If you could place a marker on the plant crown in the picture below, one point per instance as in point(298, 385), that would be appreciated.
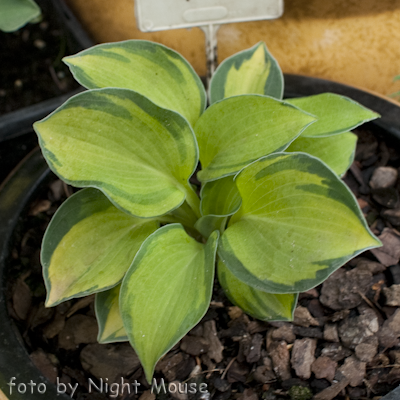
point(272, 214)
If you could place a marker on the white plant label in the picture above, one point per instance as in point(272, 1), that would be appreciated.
point(156, 15)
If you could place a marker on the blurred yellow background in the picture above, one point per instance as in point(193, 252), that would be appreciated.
point(351, 41)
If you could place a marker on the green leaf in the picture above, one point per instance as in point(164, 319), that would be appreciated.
point(138, 154)
point(207, 224)
point(89, 245)
point(220, 197)
point(183, 215)
point(261, 305)
point(14, 14)
point(238, 130)
point(336, 151)
point(297, 224)
point(151, 69)
point(111, 327)
point(336, 114)
point(252, 71)
point(166, 291)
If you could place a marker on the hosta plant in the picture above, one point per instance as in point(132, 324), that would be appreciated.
point(270, 218)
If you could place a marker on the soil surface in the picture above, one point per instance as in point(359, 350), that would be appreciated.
point(31, 69)
point(343, 343)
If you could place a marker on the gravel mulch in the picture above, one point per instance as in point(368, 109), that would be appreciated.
point(343, 343)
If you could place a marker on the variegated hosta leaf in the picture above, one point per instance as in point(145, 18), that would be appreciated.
point(166, 291)
point(336, 151)
point(207, 224)
point(336, 114)
point(252, 71)
point(89, 245)
point(151, 69)
point(238, 130)
point(297, 224)
point(220, 197)
point(261, 305)
point(111, 328)
point(14, 14)
point(183, 215)
point(140, 155)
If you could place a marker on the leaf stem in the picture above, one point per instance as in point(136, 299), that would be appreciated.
point(193, 200)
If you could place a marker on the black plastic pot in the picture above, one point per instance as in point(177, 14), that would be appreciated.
point(16, 138)
point(27, 180)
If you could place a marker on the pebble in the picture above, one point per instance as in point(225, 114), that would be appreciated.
point(170, 364)
point(284, 333)
point(302, 317)
point(354, 370)
point(389, 253)
point(18, 83)
point(279, 354)
point(237, 372)
point(109, 360)
point(335, 351)
point(263, 374)
point(393, 216)
point(388, 197)
point(194, 346)
point(316, 309)
point(221, 384)
point(39, 44)
point(78, 329)
point(371, 266)
point(310, 332)
point(383, 177)
point(324, 368)
point(367, 350)
point(390, 331)
point(392, 295)
point(331, 333)
point(254, 352)
point(216, 347)
point(354, 331)
point(303, 356)
point(332, 391)
point(343, 289)
point(395, 272)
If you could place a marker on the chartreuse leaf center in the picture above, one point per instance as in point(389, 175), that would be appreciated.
point(219, 199)
point(151, 69)
point(298, 223)
point(140, 155)
point(337, 151)
point(166, 291)
point(89, 245)
point(238, 130)
point(336, 114)
point(252, 71)
point(111, 327)
point(257, 303)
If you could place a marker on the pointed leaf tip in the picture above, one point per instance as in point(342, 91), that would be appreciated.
point(298, 223)
point(176, 276)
